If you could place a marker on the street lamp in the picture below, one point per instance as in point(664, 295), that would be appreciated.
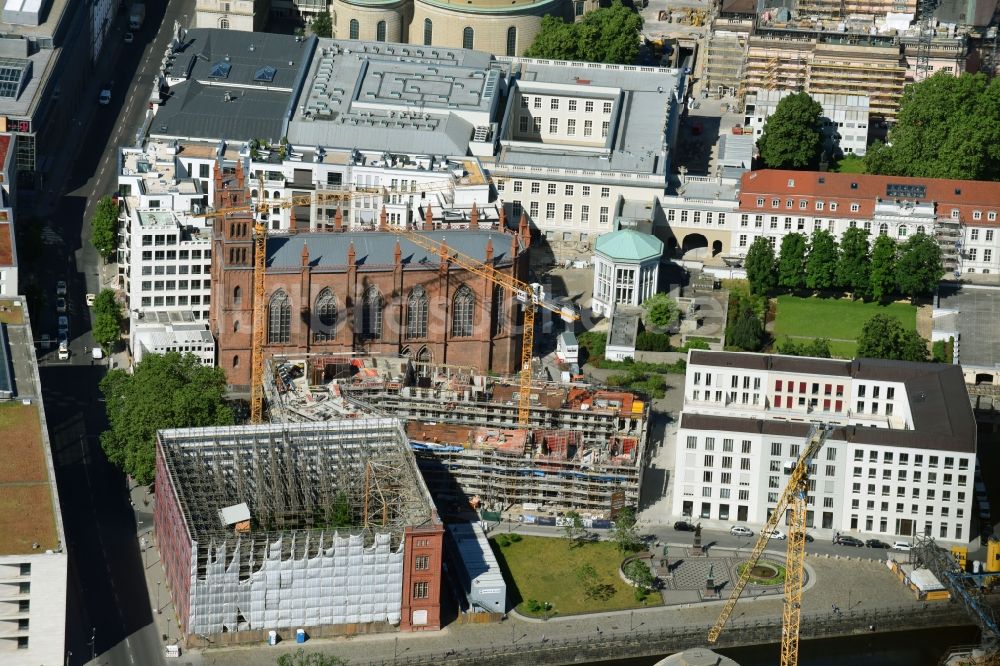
point(69, 653)
point(93, 643)
point(157, 597)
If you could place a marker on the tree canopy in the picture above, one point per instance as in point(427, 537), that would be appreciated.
point(883, 336)
point(854, 265)
point(792, 137)
point(759, 265)
point(608, 35)
point(946, 128)
point(661, 311)
point(821, 263)
point(104, 227)
point(792, 262)
point(883, 268)
point(747, 331)
point(107, 319)
point(626, 536)
point(818, 347)
point(322, 25)
point(163, 391)
point(919, 268)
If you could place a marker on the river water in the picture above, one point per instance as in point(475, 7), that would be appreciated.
point(905, 648)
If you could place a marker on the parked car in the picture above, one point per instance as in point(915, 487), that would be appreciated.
point(60, 304)
point(46, 341)
point(90, 300)
point(875, 543)
point(105, 97)
point(684, 526)
point(63, 340)
point(61, 288)
point(63, 325)
point(129, 37)
point(844, 540)
point(63, 353)
point(740, 530)
point(903, 546)
point(778, 534)
point(809, 538)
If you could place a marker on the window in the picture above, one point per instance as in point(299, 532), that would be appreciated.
point(588, 127)
point(584, 213)
point(607, 107)
point(571, 127)
point(692, 442)
point(569, 190)
point(380, 31)
point(429, 38)
point(605, 128)
point(855, 207)
point(588, 107)
point(355, 29)
point(535, 187)
point(422, 562)
point(553, 125)
point(371, 313)
point(462, 310)
point(416, 313)
point(537, 103)
point(326, 313)
point(551, 189)
point(279, 318)
point(468, 38)
point(554, 104)
point(523, 123)
point(511, 41)
point(550, 211)
point(604, 214)
point(567, 212)
point(420, 590)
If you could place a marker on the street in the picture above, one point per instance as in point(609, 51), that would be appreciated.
point(109, 612)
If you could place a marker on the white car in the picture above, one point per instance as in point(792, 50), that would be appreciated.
point(739, 530)
point(60, 304)
point(90, 300)
point(778, 534)
point(105, 97)
point(903, 546)
point(61, 288)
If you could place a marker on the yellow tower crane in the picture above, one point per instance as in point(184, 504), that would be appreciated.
point(794, 500)
point(521, 291)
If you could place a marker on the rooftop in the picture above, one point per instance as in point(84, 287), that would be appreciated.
point(376, 248)
point(629, 246)
point(624, 327)
point(215, 468)
point(29, 513)
point(7, 255)
point(936, 392)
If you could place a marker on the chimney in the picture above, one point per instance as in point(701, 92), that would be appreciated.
point(474, 217)
point(523, 229)
point(428, 217)
point(383, 219)
point(338, 220)
point(305, 255)
point(489, 252)
point(398, 253)
point(350, 254)
point(503, 216)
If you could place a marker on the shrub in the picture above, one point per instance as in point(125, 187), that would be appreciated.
point(655, 342)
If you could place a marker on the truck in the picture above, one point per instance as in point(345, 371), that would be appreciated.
point(136, 15)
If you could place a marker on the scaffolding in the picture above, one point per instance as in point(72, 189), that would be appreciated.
point(328, 504)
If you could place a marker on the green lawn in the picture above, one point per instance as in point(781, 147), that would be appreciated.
point(849, 164)
point(544, 569)
point(839, 320)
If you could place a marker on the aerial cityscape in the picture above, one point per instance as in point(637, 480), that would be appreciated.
point(384, 332)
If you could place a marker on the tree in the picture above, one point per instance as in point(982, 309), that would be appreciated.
point(883, 272)
point(759, 265)
point(322, 25)
point(107, 319)
point(639, 573)
point(608, 35)
point(919, 267)
point(792, 262)
point(661, 311)
point(302, 658)
point(591, 583)
point(163, 391)
point(821, 263)
point(747, 331)
point(945, 129)
point(626, 535)
point(854, 266)
point(575, 531)
point(104, 227)
point(792, 137)
point(817, 348)
point(883, 336)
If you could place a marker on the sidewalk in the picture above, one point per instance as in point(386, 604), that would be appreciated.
point(164, 615)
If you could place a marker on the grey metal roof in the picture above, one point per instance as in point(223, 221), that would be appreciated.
point(376, 248)
point(6, 359)
point(239, 85)
point(624, 327)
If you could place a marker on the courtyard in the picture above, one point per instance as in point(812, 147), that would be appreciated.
point(837, 319)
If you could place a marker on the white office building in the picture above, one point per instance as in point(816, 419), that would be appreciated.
point(158, 332)
point(166, 262)
point(844, 117)
point(898, 462)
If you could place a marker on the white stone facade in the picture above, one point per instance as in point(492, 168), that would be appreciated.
point(156, 332)
point(844, 117)
point(887, 469)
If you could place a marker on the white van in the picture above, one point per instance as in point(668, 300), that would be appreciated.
point(63, 350)
point(97, 353)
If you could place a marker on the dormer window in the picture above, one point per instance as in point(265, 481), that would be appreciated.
point(791, 182)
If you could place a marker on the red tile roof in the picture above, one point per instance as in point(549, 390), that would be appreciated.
point(849, 188)
point(4, 147)
point(6, 245)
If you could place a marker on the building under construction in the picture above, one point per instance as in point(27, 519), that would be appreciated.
point(326, 527)
point(583, 444)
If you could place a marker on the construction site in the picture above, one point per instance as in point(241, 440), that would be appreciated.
point(581, 448)
point(326, 527)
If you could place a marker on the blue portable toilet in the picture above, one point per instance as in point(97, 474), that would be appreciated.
point(300, 635)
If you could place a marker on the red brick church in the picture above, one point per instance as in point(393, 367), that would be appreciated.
point(373, 291)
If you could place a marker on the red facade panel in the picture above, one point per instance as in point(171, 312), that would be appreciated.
point(422, 559)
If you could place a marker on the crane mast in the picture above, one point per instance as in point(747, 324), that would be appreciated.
point(794, 500)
